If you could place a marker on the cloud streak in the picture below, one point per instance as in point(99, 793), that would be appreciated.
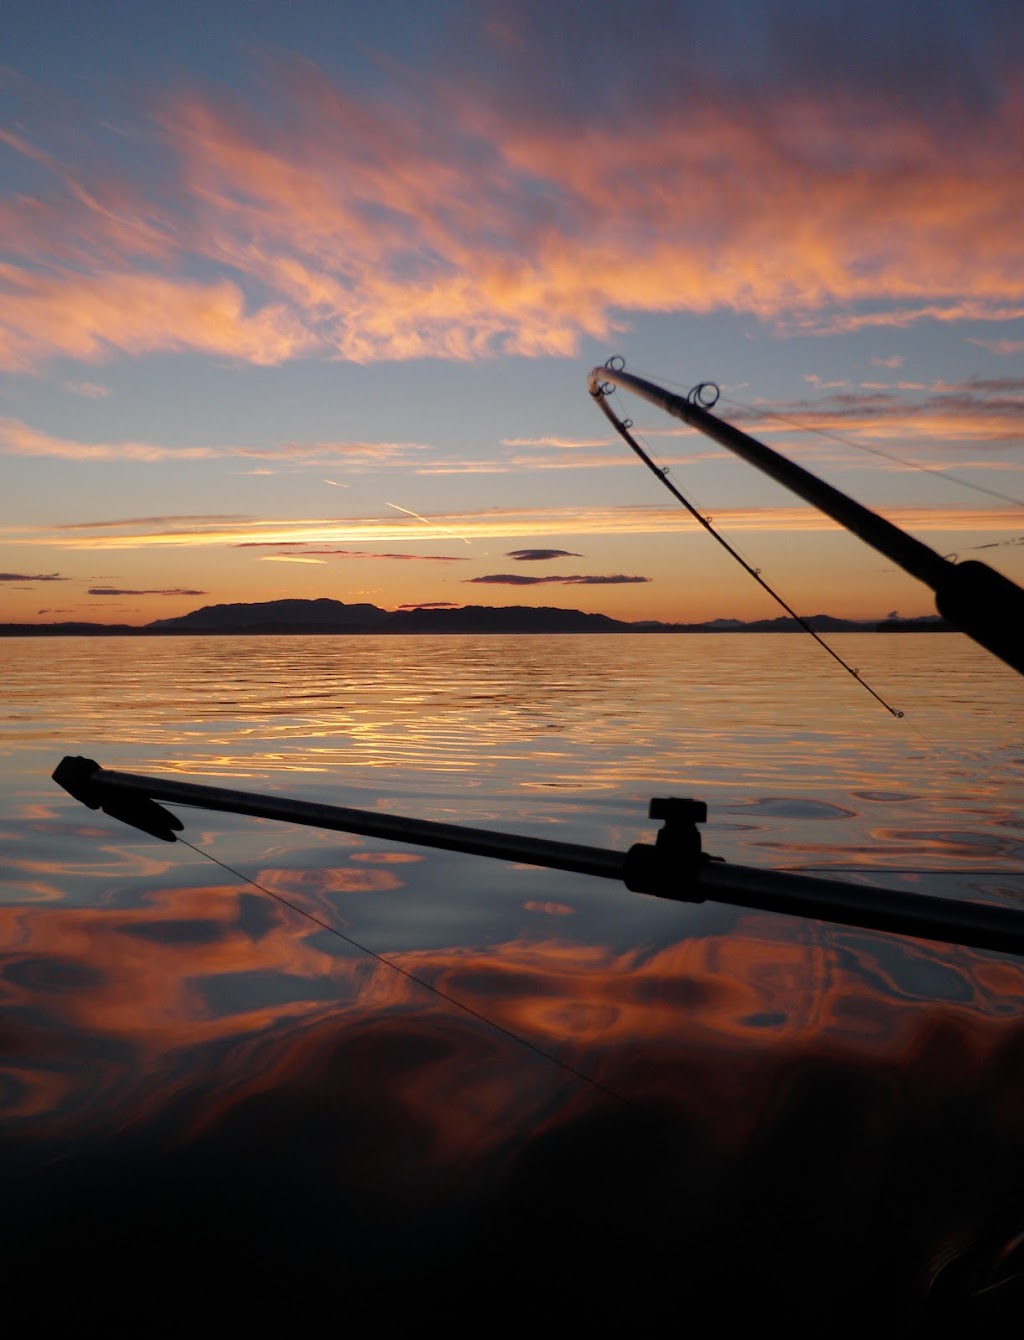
point(32, 577)
point(497, 523)
point(20, 439)
point(948, 419)
point(404, 558)
point(540, 555)
point(352, 553)
point(160, 591)
point(520, 579)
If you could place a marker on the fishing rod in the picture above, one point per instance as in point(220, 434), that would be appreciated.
point(973, 597)
point(674, 866)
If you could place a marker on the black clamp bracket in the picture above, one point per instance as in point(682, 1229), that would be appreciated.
point(670, 868)
point(76, 776)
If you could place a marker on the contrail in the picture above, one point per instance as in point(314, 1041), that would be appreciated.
point(409, 512)
point(334, 483)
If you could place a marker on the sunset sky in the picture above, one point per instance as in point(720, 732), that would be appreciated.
point(300, 299)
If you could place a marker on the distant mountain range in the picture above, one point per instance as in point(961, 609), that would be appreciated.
point(334, 616)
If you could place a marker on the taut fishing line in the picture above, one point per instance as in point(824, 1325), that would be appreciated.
point(412, 977)
point(705, 394)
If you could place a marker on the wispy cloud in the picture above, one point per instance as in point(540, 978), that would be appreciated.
point(353, 553)
point(430, 605)
point(975, 309)
point(32, 577)
point(1004, 348)
point(540, 555)
point(521, 208)
point(289, 558)
point(984, 410)
point(562, 443)
point(20, 439)
point(405, 558)
point(519, 579)
point(91, 390)
point(497, 523)
point(616, 457)
point(159, 591)
point(194, 520)
point(1015, 542)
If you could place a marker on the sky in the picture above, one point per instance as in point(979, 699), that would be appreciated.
point(299, 300)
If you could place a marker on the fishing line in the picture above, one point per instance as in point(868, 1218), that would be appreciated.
point(412, 977)
point(623, 426)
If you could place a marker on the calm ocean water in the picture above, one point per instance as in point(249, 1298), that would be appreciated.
point(800, 1087)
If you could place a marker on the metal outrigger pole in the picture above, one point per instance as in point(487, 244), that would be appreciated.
point(976, 599)
point(673, 867)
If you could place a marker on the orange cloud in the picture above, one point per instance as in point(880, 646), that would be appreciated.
point(435, 220)
point(426, 231)
point(83, 316)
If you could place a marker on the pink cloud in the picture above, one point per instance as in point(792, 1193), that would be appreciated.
point(20, 439)
point(567, 443)
point(1004, 348)
point(435, 219)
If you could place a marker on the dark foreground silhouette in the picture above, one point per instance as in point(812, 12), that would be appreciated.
point(393, 1169)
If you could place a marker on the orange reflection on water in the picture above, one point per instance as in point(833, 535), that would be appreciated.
point(319, 880)
point(385, 857)
point(134, 972)
point(152, 976)
point(23, 883)
point(806, 1098)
